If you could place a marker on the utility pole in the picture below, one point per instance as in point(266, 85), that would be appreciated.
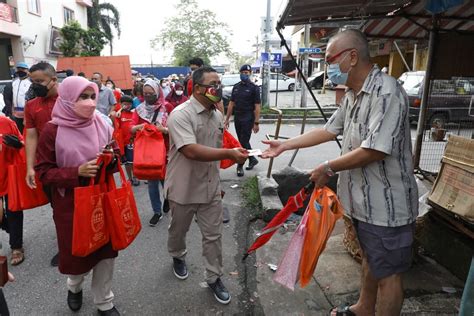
point(304, 96)
point(257, 44)
point(266, 65)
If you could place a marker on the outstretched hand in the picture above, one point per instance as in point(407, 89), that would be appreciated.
point(275, 149)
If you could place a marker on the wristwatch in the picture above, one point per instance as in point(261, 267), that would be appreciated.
point(329, 172)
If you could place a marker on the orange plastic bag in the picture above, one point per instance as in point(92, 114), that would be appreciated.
point(324, 209)
point(122, 214)
point(149, 156)
point(229, 142)
point(20, 196)
point(89, 230)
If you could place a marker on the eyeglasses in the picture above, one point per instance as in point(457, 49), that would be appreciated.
point(333, 58)
point(216, 86)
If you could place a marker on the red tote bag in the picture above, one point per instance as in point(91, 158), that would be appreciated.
point(149, 156)
point(20, 196)
point(89, 231)
point(229, 142)
point(122, 214)
point(118, 137)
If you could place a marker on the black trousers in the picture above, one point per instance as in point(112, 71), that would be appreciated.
point(19, 123)
point(3, 305)
point(243, 127)
point(14, 226)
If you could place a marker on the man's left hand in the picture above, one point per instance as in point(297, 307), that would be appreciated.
point(256, 128)
point(319, 176)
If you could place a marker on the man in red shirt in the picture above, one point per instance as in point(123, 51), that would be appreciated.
point(37, 114)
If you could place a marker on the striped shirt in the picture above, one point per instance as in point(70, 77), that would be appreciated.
point(382, 193)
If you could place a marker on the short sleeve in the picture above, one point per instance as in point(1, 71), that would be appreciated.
point(385, 121)
point(181, 130)
point(112, 99)
point(232, 95)
point(29, 118)
point(257, 95)
point(335, 124)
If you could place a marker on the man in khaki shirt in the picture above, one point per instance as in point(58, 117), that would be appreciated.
point(192, 183)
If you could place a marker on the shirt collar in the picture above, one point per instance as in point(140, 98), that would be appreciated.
point(197, 105)
point(369, 81)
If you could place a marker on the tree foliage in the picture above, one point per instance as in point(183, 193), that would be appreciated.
point(104, 17)
point(79, 42)
point(193, 33)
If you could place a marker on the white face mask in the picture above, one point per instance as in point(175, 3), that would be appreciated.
point(110, 86)
point(179, 92)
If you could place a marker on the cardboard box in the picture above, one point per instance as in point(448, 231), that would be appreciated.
point(453, 189)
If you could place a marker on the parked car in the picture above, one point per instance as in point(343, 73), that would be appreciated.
point(285, 83)
point(228, 82)
point(449, 100)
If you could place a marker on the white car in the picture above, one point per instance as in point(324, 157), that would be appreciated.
point(285, 83)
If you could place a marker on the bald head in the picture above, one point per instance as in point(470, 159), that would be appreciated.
point(352, 38)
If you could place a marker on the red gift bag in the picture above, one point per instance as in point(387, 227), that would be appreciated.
point(122, 214)
point(149, 156)
point(89, 230)
point(20, 196)
point(118, 137)
point(229, 142)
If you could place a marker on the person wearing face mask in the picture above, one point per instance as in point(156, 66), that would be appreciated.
point(106, 99)
point(154, 110)
point(194, 64)
point(176, 96)
point(63, 166)
point(20, 86)
point(165, 87)
point(37, 114)
point(376, 185)
point(117, 92)
point(245, 104)
point(192, 182)
point(137, 93)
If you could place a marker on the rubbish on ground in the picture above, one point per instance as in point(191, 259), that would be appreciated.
point(272, 266)
point(234, 273)
point(448, 289)
point(234, 186)
point(203, 285)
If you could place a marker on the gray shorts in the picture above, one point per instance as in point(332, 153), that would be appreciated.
point(388, 249)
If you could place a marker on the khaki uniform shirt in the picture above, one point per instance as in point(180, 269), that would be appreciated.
point(382, 193)
point(190, 181)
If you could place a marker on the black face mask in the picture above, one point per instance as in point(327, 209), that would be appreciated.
point(39, 89)
point(151, 99)
point(21, 74)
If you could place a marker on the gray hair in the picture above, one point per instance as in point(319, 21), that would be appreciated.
point(357, 39)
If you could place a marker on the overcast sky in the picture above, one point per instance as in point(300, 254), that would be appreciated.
point(142, 20)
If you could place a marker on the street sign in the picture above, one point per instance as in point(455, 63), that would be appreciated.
point(310, 50)
point(275, 59)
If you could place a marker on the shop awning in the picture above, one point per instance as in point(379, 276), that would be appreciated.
point(397, 19)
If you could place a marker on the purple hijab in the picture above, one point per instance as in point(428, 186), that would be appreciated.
point(78, 140)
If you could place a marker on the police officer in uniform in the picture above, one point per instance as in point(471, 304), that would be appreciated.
point(245, 103)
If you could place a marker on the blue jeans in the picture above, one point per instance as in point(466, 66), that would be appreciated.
point(154, 194)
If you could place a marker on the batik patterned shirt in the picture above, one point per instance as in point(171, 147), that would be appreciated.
point(382, 193)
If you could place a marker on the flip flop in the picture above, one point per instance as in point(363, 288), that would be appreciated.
point(343, 310)
point(18, 256)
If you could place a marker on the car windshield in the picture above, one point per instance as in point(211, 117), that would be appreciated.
point(230, 81)
point(411, 82)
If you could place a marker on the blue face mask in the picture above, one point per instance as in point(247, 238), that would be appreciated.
point(244, 77)
point(336, 75)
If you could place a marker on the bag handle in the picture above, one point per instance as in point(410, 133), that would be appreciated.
point(155, 115)
point(111, 180)
point(102, 163)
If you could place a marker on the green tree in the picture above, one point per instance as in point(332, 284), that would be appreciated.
point(193, 33)
point(238, 60)
point(78, 42)
point(104, 17)
point(71, 44)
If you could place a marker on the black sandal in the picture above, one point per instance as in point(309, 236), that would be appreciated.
point(343, 310)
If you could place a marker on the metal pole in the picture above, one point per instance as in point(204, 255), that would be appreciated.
point(304, 96)
point(277, 133)
point(276, 95)
point(303, 125)
point(414, 57)
point(296, 75)
point(266, 66)
point(401, 55)
point(424, 100)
